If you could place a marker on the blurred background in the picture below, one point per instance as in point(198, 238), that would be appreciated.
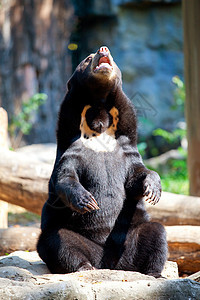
point(41, 43)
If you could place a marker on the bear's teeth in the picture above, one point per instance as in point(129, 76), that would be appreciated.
point(103, 65)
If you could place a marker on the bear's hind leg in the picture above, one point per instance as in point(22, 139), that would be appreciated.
point(145, 250)
point(65, 251)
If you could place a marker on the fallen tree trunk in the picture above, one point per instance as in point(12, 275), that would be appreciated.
point(174, 209)
point(184, 247)
point(23, 182)
point(18, 238)
point(183, 242)
point(3, 145)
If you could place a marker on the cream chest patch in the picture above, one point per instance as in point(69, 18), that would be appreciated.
point(99, 142)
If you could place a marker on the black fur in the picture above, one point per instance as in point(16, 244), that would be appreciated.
point(95, 215)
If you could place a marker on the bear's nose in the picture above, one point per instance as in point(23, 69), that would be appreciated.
point(103, 50)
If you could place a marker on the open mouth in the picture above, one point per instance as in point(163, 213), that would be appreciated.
point(103, 64)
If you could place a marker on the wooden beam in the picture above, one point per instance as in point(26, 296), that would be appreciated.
point(191, 22)
point(184, 247)
point(3, 145)
point(175, 209)
point(18, 238)
point(23, 181)
point(183, 242)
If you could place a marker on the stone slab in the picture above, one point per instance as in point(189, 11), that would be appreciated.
point(24, 276)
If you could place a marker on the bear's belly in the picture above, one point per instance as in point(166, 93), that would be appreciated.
point(103, 174)
point(96, 225)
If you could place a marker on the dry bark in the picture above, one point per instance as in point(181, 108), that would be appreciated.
point(34, 58)
point(184, 247)
point(23, 182)
point(191, 22)
point(176, 209)
point(3, 145)
point(183, 241)
point(18, 238)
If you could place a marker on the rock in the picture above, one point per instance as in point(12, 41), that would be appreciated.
point(24, 276)
point(29, 261)
point(170, 270)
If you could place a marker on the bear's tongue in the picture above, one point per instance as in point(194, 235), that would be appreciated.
point(104, 59)
point(103, 63)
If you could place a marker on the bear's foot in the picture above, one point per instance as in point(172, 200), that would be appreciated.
point(85, 267)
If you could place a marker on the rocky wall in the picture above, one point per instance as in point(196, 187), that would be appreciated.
point(147, 44)
point(145, 39)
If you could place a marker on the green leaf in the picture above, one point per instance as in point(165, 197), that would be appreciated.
point(21, 123)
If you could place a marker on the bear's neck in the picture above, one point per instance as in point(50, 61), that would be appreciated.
point(102, 95)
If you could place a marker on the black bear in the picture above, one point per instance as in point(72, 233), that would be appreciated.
point(95, 215)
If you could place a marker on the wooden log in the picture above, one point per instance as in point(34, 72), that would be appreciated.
point(23, 182)
point(183, 242)
point(3, 145)
point(18, 238)
point(184, 247)
point(3, 129)
point(176, 209)
point(195, 276)
point(3, 214)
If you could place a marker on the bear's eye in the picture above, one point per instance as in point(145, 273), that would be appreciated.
point(88, 58)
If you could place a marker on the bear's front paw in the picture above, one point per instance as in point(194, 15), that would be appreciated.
point(152, 188)
point(84, 202)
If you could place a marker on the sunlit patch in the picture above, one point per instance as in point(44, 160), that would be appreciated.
point(104, 142)
point(72, 46)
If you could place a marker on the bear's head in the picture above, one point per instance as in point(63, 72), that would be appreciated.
point(97, 71)
point(95, 104)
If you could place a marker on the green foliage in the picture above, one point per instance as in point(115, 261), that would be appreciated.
point(22, 120)
point(174, 175)
point(22, 123)
point(176, 180)
point(170, 137)
point(179, 99)
point(179, 93)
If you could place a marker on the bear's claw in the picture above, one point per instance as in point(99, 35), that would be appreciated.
point(152, 188)
point(151, 196)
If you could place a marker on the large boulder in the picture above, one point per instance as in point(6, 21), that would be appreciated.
point(24, 276)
